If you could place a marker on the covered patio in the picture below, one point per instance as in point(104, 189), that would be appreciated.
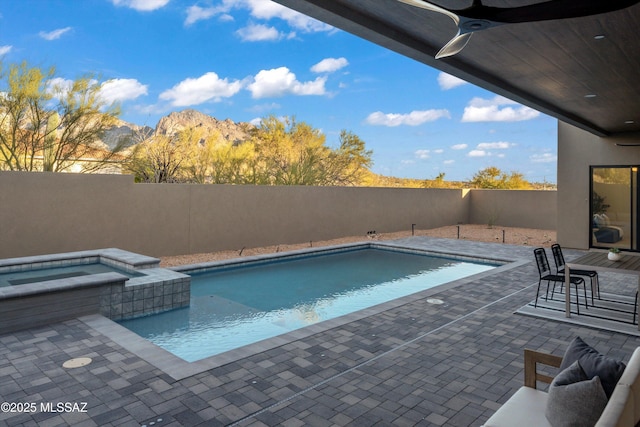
point(419, 363)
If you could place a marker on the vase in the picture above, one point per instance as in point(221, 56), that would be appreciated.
point(614, 256)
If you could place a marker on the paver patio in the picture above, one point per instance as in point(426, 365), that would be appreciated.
point(450, 364)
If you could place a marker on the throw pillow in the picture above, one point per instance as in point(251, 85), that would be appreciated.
point(594, 364)
point(574, 400)
point(598, 220)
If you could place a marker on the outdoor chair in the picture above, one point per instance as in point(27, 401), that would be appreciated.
point(560, 265)
point(544, 271)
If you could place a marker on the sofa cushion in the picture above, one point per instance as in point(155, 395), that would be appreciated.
point(574, 399)
point(594, 364)
point(623, 409)
point(525, 408)
point(620, 410)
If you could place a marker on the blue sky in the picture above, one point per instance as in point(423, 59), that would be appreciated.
point(246, 59)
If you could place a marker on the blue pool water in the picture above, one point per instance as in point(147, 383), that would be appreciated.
point(238, 306)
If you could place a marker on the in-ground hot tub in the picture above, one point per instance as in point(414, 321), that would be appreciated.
point(118, 284)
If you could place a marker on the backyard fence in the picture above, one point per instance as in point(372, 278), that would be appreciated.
point(44, 213)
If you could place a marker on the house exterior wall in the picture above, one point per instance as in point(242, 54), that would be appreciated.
point(42, 213)
point(577, 151)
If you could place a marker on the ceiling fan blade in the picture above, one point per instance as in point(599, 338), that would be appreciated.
point(454, 46)
point(433, 8)
point(479, 17)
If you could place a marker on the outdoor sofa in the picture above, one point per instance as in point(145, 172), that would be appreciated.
point(580, 403)
point(604, 231)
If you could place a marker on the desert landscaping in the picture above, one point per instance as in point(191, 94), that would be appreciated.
point(476, 232)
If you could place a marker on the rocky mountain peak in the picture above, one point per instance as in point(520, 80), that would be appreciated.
point(186, 119)
point(176, 122)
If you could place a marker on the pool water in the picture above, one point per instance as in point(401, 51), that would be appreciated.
point(54, 273)
point(237, 306)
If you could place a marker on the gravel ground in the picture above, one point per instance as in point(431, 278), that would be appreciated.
point(482, 233)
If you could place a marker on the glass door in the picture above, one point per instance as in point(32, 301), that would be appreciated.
point(614, 207)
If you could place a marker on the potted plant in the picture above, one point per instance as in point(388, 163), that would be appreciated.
point(614, 254)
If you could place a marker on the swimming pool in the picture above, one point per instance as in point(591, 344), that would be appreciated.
point(238, 305)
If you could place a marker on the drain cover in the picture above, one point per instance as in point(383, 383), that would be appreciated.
point(435, 301)
point(76, 363)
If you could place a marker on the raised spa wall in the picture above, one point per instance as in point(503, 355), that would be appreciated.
point(113, 295)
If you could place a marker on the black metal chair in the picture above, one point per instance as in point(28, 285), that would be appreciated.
point(544, 271)
point(560, 265)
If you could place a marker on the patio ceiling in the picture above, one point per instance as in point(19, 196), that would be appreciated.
point(552, 66)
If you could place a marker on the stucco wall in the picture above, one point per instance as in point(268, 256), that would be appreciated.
point(514, 208)
point(577, 151)
point(43, 213)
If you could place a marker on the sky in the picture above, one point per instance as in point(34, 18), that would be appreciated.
point(248, 59)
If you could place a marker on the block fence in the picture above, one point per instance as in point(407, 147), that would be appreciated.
point(42, 213)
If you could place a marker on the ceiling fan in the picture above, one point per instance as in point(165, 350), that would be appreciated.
point(479, 17)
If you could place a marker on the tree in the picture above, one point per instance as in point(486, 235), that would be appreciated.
point(278, 153)
point(350, 161)
point(293, 153)
point(158, 159)
point(233, 163)
point(437, 182)
point(492, 177)
point(46, 125)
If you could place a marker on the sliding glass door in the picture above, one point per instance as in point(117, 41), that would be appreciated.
point(614, 207)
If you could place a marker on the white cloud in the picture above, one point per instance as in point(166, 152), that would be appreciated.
point(330, 65)
point(122, 90)
point(422, 154)
point(413, 118)
point(477, 153)
point(543, 158)
point(447, 81)
point(196, 13)
point(5, 49)
point(438, 151)
point(497, 109)
point(55, 34)
point(208, 87)
point(58, 85)
point(267, 9)
point(281, 81)
point(459, 146)
point(494, 145)
point(141, 5)
point(449, 162)
point(258, 32)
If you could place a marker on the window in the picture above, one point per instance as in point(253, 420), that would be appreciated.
point(614, 207)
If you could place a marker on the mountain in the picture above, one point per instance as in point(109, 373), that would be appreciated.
point(186, 119)
point(124, 130)
point(176, 122)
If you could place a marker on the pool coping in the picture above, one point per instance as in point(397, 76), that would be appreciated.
point(111, 256)
point(178, 368)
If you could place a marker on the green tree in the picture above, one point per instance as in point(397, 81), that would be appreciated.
point(158, 159)
point(46, 125)
point(233, 163)
point(492, 177)
point(294, 153)
point(437, 182)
